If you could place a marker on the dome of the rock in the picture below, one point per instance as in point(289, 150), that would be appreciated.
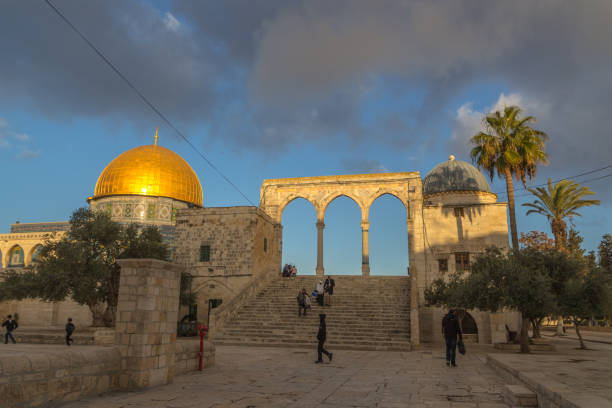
point(150, 170)
point(455, 176)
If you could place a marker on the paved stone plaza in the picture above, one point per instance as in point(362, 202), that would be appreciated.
point(271, 377)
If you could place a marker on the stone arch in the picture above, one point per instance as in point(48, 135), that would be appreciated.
point(325, 202)
point(16, 257)
point(394, 243)
point(381, 192)
point(34, 252)
point(289, 199)
point(469, 327)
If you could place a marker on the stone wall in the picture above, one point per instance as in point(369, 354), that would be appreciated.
point(44, 375)
point(461, 224)
point(244, 245)
point(37, 378)
point(186, 355)
point(146, 321)
point(38, 313)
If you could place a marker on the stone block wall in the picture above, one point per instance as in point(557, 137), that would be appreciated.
point(187, 352)
point(38, 378)
point(245, 244)
point(146, 321)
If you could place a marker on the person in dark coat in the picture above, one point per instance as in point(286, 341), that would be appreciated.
point(322, 336)
point(10, 325)
point(450, 330)
point(303, 302)
point(69, 330)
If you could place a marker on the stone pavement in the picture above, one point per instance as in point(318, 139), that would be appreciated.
point(581, 377)
point(272, 377)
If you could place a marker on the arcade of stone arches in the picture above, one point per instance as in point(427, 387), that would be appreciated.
point(363, 189)
point(20, 252)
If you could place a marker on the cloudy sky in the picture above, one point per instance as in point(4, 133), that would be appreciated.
point(270, 89)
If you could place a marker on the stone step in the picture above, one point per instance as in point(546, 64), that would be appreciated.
point(386, 346)
point(367, 314)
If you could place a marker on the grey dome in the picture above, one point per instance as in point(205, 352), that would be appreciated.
point(454, 175)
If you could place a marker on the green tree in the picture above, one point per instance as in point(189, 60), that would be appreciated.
point(604, 250)
point(557, 202)
point(585, 296)
point(82, 264)
point(509, 147)
point(527, 281)
point(574, 244)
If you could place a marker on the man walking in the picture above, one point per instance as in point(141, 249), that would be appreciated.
point(69, 330)
point(302, 299)
point(329, 289)
point(450, 330)
point(10, 325)
point(322, 336)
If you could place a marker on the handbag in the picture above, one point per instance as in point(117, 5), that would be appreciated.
point(461, 346)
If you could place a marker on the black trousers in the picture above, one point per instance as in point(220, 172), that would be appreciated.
point(68, 339)
point(321, 350)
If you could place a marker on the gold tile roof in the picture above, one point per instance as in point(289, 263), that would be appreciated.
point(150, 170)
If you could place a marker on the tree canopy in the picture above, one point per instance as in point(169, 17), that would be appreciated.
point(529, 281)
point(557, 202)
point(509, 147)
point(82, 264)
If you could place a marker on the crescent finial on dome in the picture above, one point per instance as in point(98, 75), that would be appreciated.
point(156, 129)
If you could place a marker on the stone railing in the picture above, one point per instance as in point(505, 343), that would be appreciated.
point(219, 315)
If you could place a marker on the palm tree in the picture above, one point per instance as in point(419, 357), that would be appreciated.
point(558, 202)
point(509, 147)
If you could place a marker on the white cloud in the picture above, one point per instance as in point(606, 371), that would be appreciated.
point(9, 137)
point(171, 22)
point(468, 122)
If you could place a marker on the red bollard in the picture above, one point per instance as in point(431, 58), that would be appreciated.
point(202, 329)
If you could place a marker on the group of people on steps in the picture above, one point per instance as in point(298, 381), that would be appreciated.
point(323, 293)
point(10, 325)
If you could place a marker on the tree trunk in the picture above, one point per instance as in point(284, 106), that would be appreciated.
point(558, 228)
point(535, 327)
point(577, 326)
point(525, 334)
point(97, 314)
point(560, 331)
point(510, 190)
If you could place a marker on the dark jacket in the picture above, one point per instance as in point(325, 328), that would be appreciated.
point(70, 328)
point(329, 284)
point(322, 334)
point(10, 325)
point(450, 326)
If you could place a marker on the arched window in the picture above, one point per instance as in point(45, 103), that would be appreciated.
point(36, 252)
point(15, 257)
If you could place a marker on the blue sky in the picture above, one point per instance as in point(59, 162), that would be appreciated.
point(301, 88)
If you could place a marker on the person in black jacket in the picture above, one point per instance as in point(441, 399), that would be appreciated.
point(322, 336)
point(450, 330)
point(10, 325)
point(69, 330)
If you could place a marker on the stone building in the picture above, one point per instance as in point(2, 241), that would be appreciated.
point(231, 252)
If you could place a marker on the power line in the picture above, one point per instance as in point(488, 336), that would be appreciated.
point(583, 181)
point(564, 178)
point(144, 98)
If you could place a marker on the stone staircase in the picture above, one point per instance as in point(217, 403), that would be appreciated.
point(367, 314)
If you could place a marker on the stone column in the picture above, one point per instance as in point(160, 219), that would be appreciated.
point(320, 227)
point(365, 249)
point(145, 330)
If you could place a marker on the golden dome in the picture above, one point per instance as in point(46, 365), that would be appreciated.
point(150, 170)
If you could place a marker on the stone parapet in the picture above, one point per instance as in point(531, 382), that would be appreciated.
point(30, 379)
point(145, 329)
